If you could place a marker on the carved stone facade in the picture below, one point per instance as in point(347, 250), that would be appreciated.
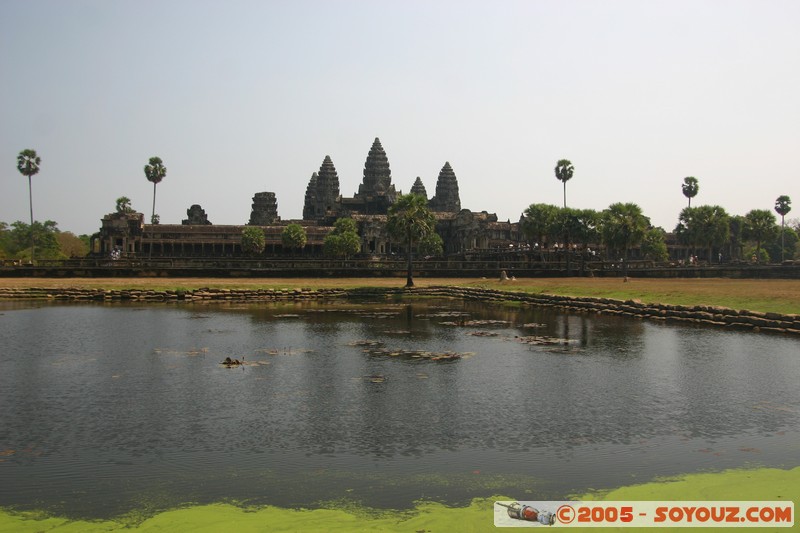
point(197, 217)
point(265, 209)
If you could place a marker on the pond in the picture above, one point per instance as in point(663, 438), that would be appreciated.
point(119, 408)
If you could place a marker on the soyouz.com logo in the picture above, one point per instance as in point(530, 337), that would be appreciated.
point(643, 514)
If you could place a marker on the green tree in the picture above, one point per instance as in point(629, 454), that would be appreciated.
point(4, 237)
point(294, 237)
point(736, 243)
point(253, 240)
point(44, 234)
point(786, 246)
point(124, 205)
point(782, 206)
point(431, 244)
point(537, 224)
point(705, 226)
point(155, 171)
point(690, 188)
point(564, 171)
point(28, 164)
point(654, 245)
point(410, 221)
point(759, 226)
point(343, 241)
point(624, 226)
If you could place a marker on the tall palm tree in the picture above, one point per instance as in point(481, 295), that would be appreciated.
point(410, 220)
point(782, 206)
point(564, 171)
point(690, 188)
point(28, 164)
point(155, 172)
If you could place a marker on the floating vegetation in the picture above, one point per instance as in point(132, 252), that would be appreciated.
point(474, 323)
point(544, 340)
point(417, 354)
point(191, 353)
point(533, 325)
point(397, 332)
point(284, 351)
point(287, 315)
point(483, 333)
point(230, 363)
point(442, 314)
point(365, 343)
point(372, 378)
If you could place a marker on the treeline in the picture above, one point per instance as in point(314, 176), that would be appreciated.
point(707, 232)
point(50, 242)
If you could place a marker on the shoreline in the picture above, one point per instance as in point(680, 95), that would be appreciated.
point(708, 315)
point(759, 484)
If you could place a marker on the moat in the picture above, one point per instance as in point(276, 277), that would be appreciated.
point(118, 408)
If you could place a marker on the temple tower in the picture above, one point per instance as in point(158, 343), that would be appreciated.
point(311, 198)
point(376, 193)
point(327, 188)
point(265, 209)
point(446, 198)
point(196, 217)
point(419, 188)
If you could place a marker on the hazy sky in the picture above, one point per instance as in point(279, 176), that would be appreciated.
point(239, 97)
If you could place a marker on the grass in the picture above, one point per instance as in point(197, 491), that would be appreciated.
point(777, 296)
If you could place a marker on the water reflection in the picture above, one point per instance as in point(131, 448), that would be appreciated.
point(96, 394)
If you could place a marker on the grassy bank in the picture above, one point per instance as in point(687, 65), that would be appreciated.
point(766, 484)
point(777, 296)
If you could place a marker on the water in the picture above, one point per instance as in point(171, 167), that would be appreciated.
point(111, 409)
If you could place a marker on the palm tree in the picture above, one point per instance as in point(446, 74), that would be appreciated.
point(782, 206)
point(624, 226)
point(760, 227)
point(28, 164)
point(410, 220)
point(155, 171)
point(690, 188)
point(564, 171)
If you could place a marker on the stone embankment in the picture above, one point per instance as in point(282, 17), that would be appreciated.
point(700, 314)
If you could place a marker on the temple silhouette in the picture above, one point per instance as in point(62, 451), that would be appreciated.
point(461, 230)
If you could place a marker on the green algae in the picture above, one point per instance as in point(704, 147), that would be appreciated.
point(765, 484)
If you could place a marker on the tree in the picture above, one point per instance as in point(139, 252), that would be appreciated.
point(71, 245)
point(343, 241)
point(782, 206)
point(759, 226)
point(21, 235)
point(155, 171)
point(705, 226)
point(410, 221)
point(124, 205)
point(654, 245)
point(253, 240)
point(624, 226)
point(28, 164)
point(690, 188)
point(431, 245)
point(294, 237)
point(564, 171)
point(785, 247)
point(537, 224)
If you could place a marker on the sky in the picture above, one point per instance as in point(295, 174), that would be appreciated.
point(239, 97)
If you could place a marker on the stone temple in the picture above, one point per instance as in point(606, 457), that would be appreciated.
point(462, 230)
